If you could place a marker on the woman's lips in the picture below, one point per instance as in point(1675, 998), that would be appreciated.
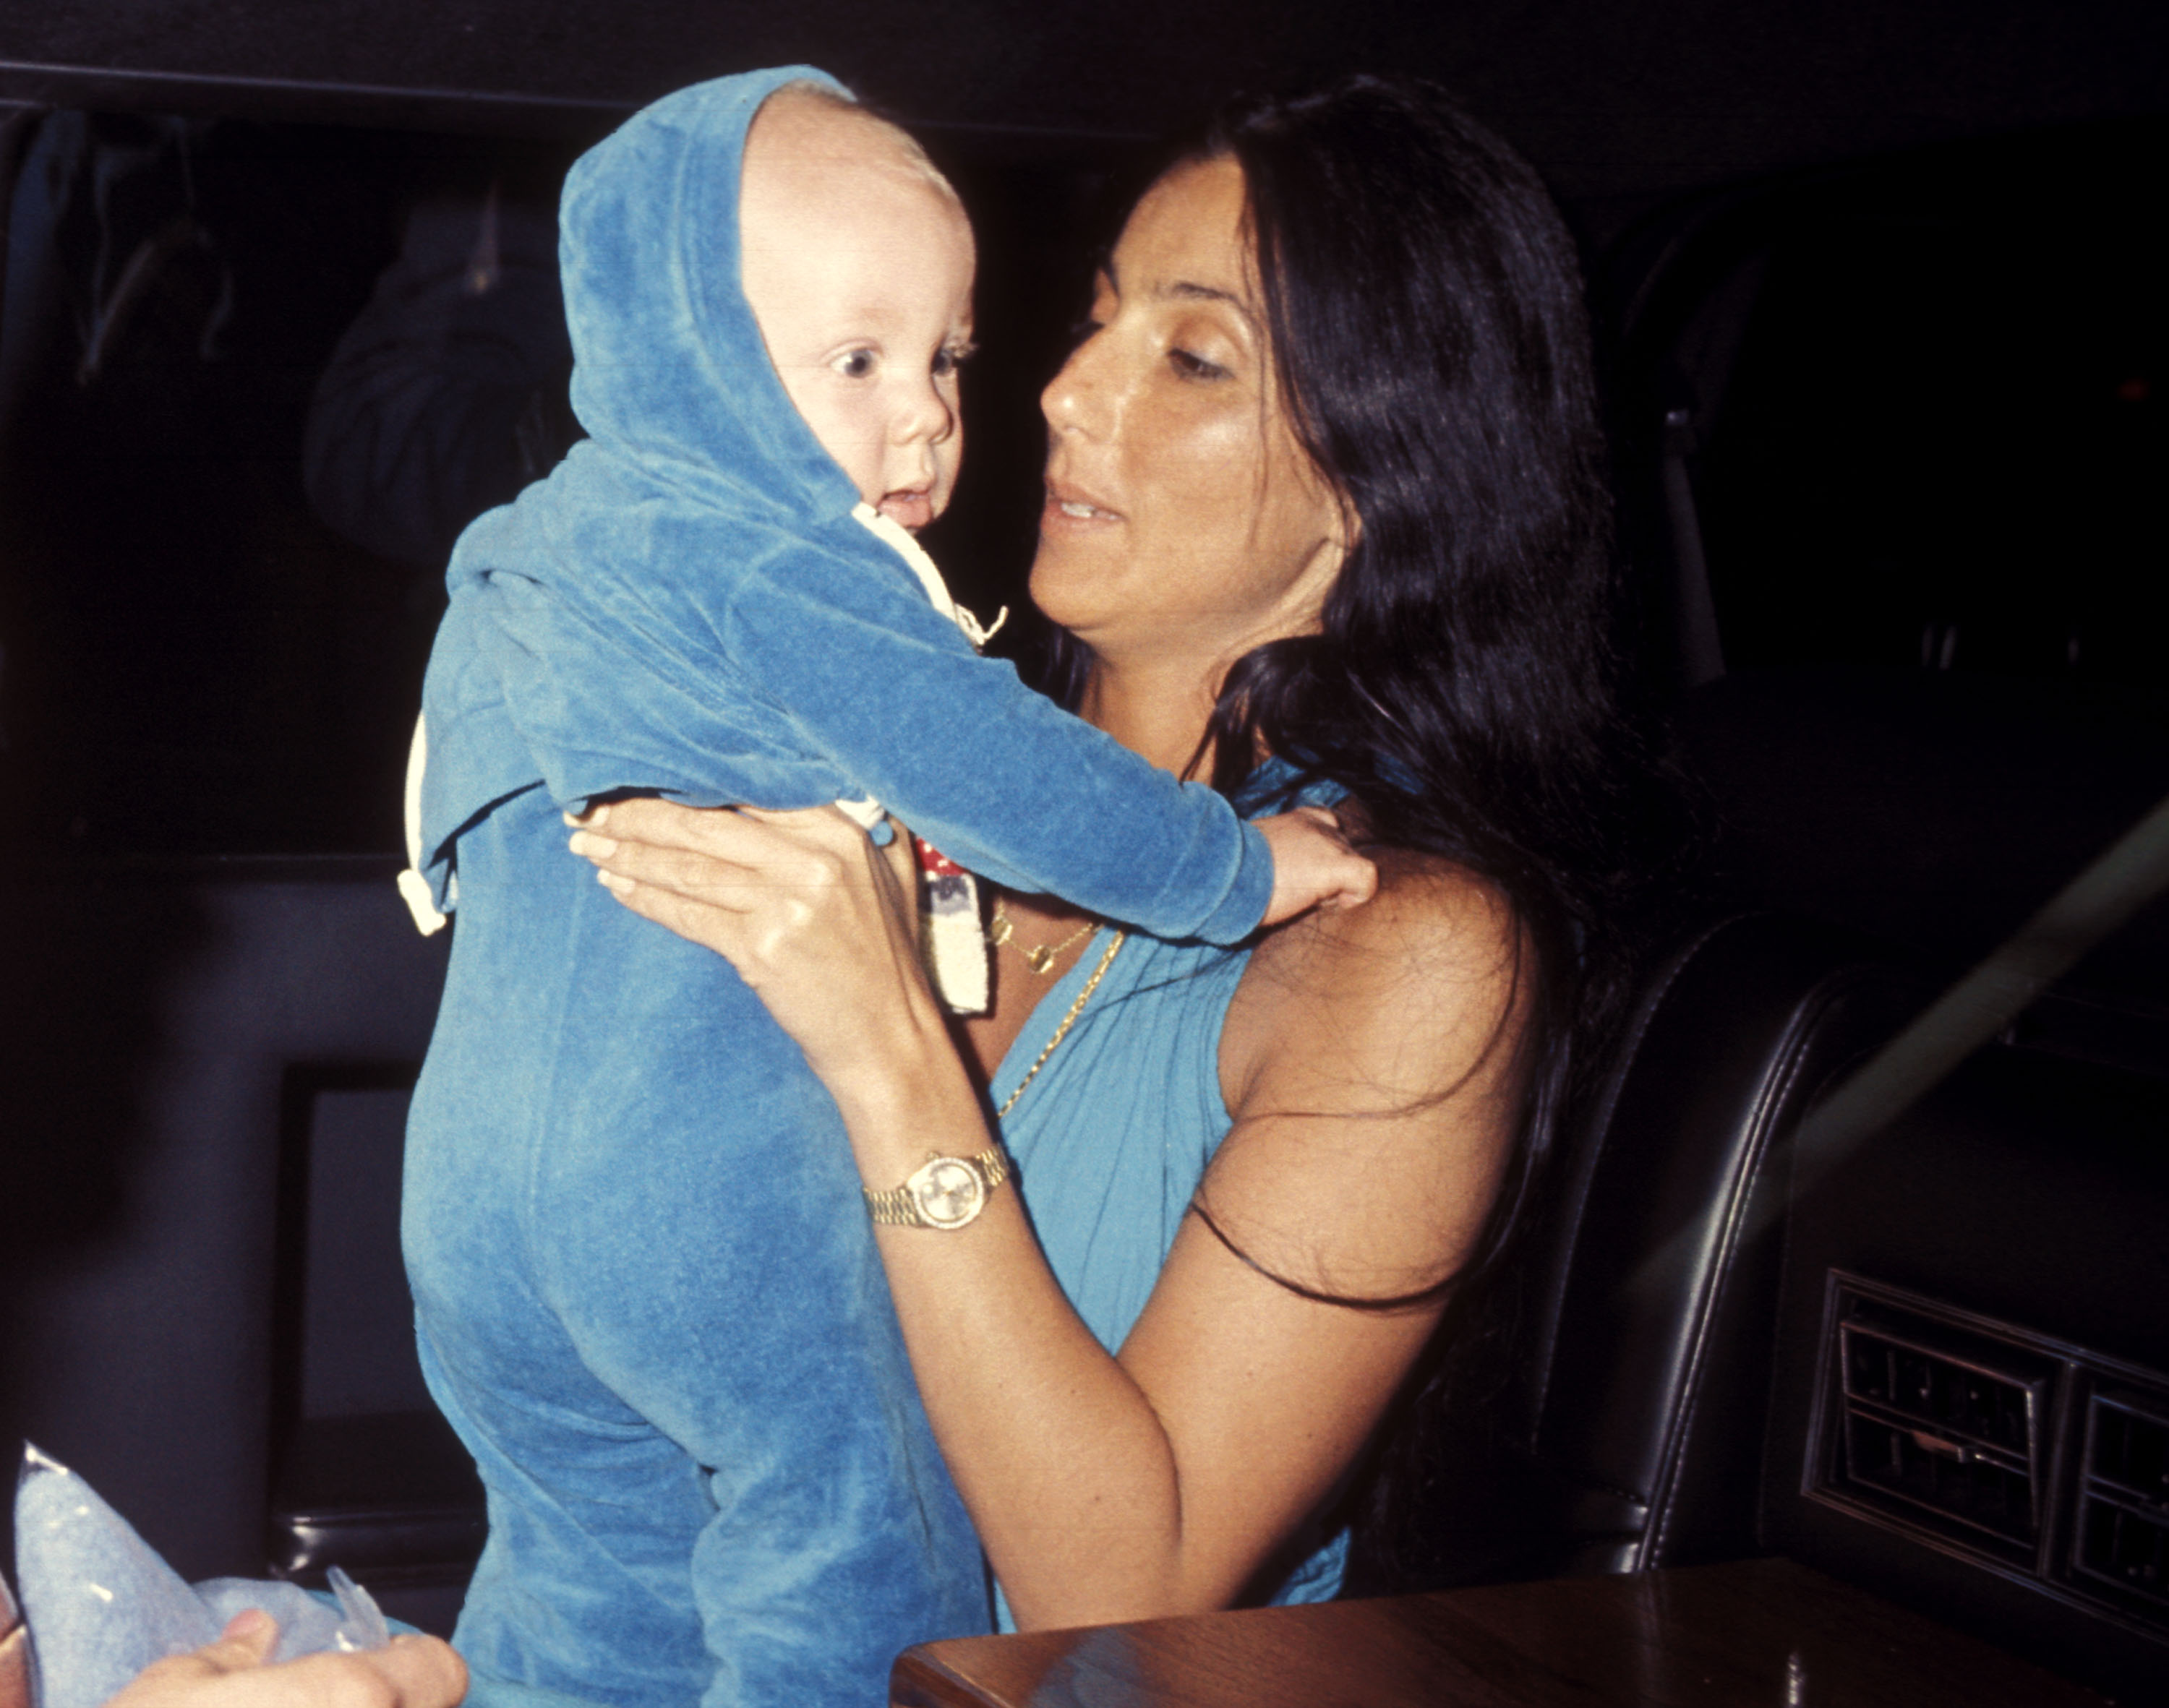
point(1067, 509)
point(910, 510)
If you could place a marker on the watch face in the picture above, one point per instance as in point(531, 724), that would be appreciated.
point(948, 1191)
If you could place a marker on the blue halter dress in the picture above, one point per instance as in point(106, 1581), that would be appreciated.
point(1116, 1131)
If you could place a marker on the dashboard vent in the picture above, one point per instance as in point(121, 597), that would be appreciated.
point(2122, 1535)
point(1950, 1427)
point(2041, 1462)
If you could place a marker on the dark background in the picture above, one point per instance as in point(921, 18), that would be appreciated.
point(1607, 99)
point(194, 663)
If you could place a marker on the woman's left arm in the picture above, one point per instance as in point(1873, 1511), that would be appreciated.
point(1370, 1061)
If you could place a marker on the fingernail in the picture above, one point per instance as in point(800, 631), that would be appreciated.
point(250, 1621)
point(612, 882)
point(597, 815)
point(595, 847)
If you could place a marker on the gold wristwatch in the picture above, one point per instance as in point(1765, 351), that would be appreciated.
point(944, 1192)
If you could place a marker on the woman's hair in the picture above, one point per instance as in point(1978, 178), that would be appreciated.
point(1432, 351)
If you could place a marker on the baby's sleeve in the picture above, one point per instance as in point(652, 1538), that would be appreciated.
point(998, 777)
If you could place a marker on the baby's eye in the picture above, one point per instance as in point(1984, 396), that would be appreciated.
point(856, 365)
point(952, 356)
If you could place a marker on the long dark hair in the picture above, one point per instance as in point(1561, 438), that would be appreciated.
point(1432, 350)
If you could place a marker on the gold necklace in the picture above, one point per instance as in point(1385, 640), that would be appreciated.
point(1040, 959)
point(1069, 1020)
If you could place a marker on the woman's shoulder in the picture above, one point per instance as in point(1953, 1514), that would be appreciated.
point(1372, 1064)
point(1430, 918)
point(1421, 981)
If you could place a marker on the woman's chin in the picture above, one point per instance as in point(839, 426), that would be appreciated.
point(1068, 585)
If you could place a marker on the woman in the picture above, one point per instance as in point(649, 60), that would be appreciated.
point(1324, 519)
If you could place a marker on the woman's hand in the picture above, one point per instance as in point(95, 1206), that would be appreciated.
point(816, 919)
point(414, 1671)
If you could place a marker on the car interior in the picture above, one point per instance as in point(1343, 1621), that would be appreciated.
point(1884, 363)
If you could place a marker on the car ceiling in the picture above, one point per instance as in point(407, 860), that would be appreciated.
point(1609, 99)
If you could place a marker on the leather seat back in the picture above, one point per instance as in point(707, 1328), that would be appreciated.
point(1615, 1421)
point(1656, 1291)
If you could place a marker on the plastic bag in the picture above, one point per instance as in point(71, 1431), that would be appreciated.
point(101, 1605)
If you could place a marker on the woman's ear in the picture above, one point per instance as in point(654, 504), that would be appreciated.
point(1307, 595)
point(1351, 524)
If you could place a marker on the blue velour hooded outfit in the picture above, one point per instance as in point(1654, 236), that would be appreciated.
point(646, 1291)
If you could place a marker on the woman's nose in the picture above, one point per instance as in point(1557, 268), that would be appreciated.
point(1075, 398)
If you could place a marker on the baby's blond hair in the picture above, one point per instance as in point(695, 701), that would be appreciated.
point(841, 105)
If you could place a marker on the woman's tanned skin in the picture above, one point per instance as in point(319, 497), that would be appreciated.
point(1368, 1059)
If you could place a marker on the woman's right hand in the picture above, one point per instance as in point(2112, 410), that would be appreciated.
point(816, 919)
point(414, 1671)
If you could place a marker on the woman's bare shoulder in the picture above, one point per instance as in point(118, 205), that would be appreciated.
point(1434, 928)
point(1371, 1062)
point(1408, 990)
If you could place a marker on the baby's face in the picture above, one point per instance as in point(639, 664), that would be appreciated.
point(857, 261)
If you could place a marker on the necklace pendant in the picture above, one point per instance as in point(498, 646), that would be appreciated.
point(998, 933)
point(1040, 959)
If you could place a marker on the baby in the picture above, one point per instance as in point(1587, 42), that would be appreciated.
point(646, 1293)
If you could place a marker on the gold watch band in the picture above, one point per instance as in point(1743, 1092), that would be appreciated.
point(944, 1192)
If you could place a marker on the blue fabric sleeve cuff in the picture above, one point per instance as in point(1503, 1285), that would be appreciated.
point(1242, 910)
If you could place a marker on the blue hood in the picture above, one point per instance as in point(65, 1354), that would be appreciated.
point(670, 368)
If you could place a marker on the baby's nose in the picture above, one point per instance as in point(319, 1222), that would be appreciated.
point(925, 415)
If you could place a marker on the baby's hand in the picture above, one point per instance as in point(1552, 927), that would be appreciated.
point(1313, 864)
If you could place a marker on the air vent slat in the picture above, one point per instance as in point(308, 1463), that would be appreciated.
point(1982, 1403)
point(1950, 1429)
point(2128, 1449)
point(2124, 1548)
point(2121, 1537)
point(1946, 1477)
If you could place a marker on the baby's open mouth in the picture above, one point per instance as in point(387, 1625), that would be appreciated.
point(910, 510)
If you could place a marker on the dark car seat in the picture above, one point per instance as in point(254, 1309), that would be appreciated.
point(1616, 1422)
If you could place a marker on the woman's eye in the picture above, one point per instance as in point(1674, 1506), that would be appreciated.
point(1081, 330)
point(1194, 367)
point(856, 365)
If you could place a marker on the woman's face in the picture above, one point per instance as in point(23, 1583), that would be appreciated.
point(1181, 515)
